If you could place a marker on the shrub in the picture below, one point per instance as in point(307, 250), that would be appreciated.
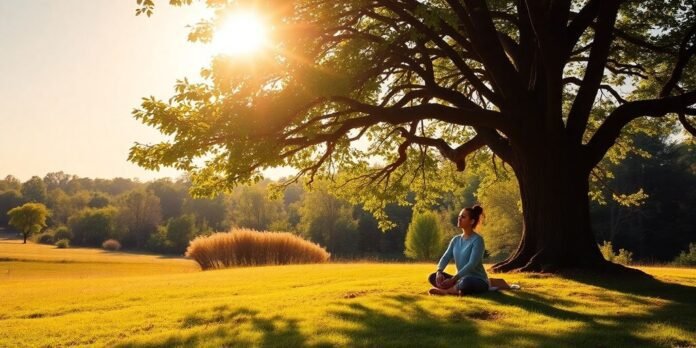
point(242, 247)
point(158, 243)
point(424, 237)
point(687, 258)
point(624, 256)
point(45, 238)
point(62, 232)
point(111, 245)
point(63, 243)
point(180, 231)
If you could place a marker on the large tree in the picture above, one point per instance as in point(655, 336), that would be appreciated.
point(429, 83)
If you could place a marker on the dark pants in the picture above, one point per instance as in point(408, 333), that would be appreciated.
point(466, 285)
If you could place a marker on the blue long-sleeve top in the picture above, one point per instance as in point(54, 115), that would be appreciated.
point(468, 256)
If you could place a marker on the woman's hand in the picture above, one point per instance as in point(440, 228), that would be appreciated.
point(447, 283)
point(439, 278)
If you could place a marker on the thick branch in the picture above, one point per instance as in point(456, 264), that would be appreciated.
point(609, 131)
point(684, 56)
point(580, 23)
point(580, 111)
point(477, 20)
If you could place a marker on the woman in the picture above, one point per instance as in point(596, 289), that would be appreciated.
point(467, 251)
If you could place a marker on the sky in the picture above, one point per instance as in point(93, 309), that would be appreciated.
point(73, 70)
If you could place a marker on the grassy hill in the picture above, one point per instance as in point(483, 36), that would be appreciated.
point(73, 297)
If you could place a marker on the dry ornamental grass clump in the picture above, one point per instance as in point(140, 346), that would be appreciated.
point(243, 247)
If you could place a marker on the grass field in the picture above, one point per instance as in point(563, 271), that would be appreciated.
point(74, 297)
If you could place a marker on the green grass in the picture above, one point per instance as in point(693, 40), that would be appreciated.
point(65, 297)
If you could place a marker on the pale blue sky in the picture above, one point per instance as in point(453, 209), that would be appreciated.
point(72, 71)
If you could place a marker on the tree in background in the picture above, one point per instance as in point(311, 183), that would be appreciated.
point(180, 231)
point(34, 190)
point(431, 82)
point(91, 227)
point(661, 223)
point(502, 224)
point(57, 180)
point(254, 209)
point(139, 215)
point(171, 196)
point(98, 200)
point(10, 183)
point(8, 199)
point(30, 218)
point(211, 213)
point(424, 237)
point(328, 220)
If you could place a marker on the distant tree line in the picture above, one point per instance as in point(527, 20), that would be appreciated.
point(161, 216)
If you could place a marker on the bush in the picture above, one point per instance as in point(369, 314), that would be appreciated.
point(687, 258)
point(624, 256)
point(63, 243)
point(158, 242)
point(180, 231)
point(45, 238)
point(62, 232)
point(242, 247)
point(111, 245)
point(424, 237)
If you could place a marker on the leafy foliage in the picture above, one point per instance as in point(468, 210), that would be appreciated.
point(687, 258)
point(93, 226)
point(424, 239)
point(30, 218)
point(623, 257)
point(502, 225)
point(63, 244)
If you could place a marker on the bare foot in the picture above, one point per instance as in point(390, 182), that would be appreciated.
point(438, 292)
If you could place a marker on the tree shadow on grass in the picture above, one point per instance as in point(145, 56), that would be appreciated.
point(405, 320)
point(227, 325)
point(618, 328)
point(413, 325)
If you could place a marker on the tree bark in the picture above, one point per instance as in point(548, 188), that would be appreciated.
point(557, 234)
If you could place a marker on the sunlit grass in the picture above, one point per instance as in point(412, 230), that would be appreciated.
point(142, 300)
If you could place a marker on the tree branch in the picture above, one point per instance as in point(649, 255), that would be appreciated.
point(580, 23)
point(687, 125)
point(576, 81)
point(684, 56)
point(609, 131)
point(457, 156)
point(582, 105)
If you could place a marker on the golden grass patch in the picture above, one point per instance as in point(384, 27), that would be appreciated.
point(243, 247)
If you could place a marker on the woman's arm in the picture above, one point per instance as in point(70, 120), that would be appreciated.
point(446, 257)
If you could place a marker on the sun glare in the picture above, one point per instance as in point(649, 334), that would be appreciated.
point(242, 33)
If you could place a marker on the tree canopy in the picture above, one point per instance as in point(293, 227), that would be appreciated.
point(547, 87)
point(29, 218)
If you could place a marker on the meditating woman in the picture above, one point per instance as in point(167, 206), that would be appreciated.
point(467, 251)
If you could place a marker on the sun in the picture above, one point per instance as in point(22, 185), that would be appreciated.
point(242, 33)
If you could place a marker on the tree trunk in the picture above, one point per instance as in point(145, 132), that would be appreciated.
point(556, 232)
point(25, 238)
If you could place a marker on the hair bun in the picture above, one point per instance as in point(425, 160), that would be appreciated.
point(478, 210)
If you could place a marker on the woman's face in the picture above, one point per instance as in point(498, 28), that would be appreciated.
point(464, 219)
